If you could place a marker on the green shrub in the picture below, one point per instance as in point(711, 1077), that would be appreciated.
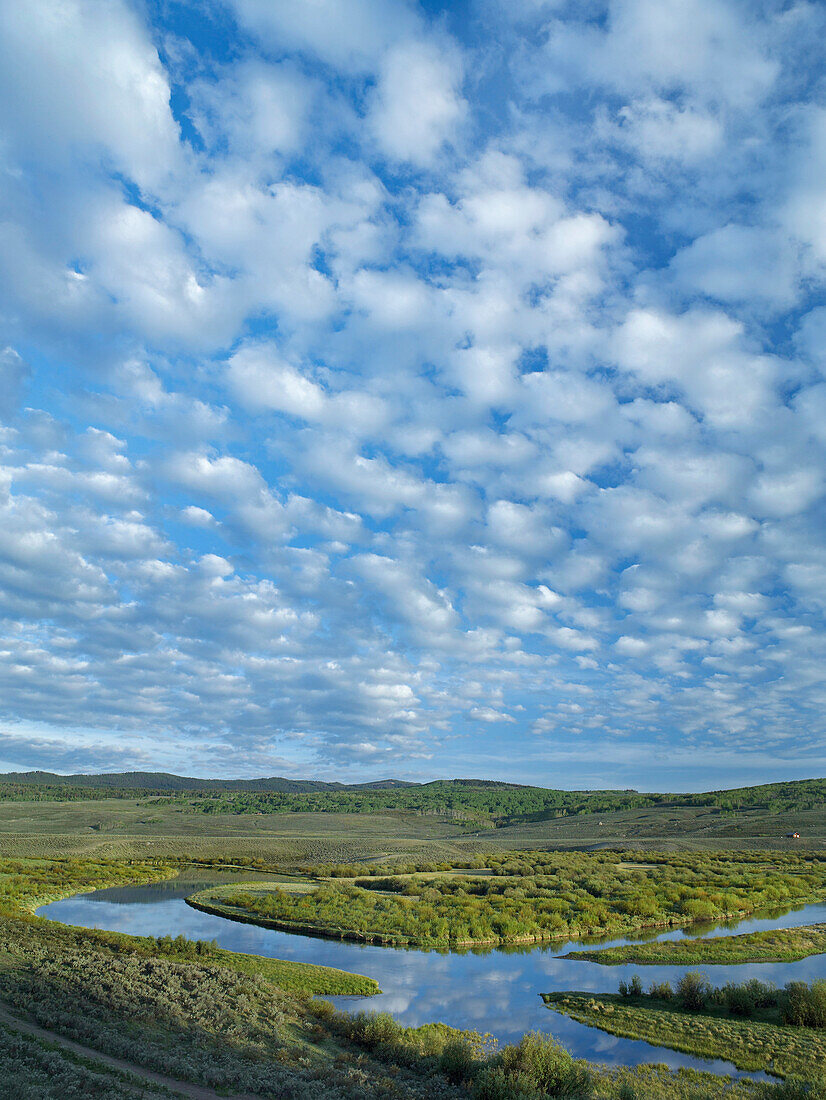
point(796, 1088)
point(804, 1005)
point(493, 1083)
point(457, 1061)
point(541, 1062)
point(693, 991)
point(375, 1029)
point(738, 1000)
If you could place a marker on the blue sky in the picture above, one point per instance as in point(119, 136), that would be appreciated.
point(414, 389)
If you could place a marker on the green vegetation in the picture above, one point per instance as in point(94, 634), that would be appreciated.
point(198, 1014)
point(774, 945)
point(33, 1070)
point(524, 896)
point(749, 1043)
point(752, 1024)
point(239, 1023)
point(26, 885)
point(446, 861)
point(438, 822)
point(480, 803)
point(157, 782)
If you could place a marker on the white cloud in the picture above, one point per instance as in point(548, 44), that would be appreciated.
point(417, 105)
point(390, 393)
point(349, 34)
point(115, 101)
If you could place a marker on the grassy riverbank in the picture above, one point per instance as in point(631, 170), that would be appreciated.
point(524, 897)
point(750, 1044)
point(25, 885)
point(775, 945)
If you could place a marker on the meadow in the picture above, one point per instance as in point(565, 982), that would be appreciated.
point(228, 1023)
point(762, 1037)
point(419, 823)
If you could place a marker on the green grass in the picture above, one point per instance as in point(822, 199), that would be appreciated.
point(27, 884)
point(33, 1069)
point(140, 828)
point(236, 1020)
point(293, 977)
point(748, 1044)
point(775, 945)
point(522, 897)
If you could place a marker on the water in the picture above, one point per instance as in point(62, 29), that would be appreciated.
point(496, 991)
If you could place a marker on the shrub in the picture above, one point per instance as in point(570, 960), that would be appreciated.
point(635, 986)
point(738, 1000)
point(661, 991)
point(493, 1083)
point(457, 1061)
point(374, 1029)
point(804, 1005)
point(539, 1061)
point(795, 1088)
point(693, 991)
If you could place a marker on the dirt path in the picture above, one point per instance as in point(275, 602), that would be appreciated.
point(178, 1088)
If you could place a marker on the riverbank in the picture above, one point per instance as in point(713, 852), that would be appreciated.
point(26, 885)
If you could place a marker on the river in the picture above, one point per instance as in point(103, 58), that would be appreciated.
point(496, 991)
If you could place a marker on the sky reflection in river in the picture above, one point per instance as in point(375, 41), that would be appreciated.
point(496, 991)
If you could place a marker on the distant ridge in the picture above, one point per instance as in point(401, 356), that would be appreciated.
point(164, 781)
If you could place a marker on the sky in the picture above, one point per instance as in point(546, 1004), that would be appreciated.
point(414, 389)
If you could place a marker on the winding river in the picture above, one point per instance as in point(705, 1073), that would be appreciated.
point(496, 991)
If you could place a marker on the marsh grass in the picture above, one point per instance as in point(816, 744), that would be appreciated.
point(775, 945)
point(750, 1044)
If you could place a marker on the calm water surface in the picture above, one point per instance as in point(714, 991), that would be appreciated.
point(496, 991)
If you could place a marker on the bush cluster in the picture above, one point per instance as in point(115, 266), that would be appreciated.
point(527, 896)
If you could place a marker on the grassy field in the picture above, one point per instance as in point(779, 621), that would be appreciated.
point(233, 1023)
point(775, 945)
point(26, 885)
point(749, 1044)
point(139, 828)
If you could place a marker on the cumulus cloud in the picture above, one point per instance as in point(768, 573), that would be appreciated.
point(417, 104)
point(373, 397)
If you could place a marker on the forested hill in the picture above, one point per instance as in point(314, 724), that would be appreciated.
point(166, 782)
point(482, 803)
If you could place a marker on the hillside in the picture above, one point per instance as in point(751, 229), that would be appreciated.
point(165, 781)
point(476, 804)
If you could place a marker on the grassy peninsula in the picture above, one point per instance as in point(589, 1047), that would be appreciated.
point(523, 897)
point(774, 945)
point(761, 1043)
